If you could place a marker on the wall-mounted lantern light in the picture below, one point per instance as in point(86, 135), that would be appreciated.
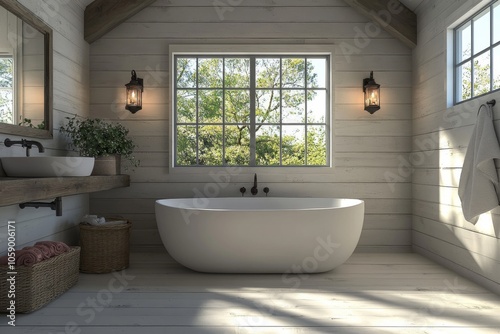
point(134, 93)
point(372, 94)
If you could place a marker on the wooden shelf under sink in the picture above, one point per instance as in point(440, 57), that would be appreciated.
point(20, 190)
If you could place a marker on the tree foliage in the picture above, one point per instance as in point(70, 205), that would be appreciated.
point(6, 90)
point(220, 133)
point(480, 83)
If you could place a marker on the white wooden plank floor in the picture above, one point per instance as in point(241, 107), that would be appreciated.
point(371, 293)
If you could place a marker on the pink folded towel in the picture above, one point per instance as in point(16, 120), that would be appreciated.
point(38, 252)
point(4, 260)
point(27, 257)
point(46, 252)
point(49, 245)
point(62, 247)
point(42, 250)
point(55, 247)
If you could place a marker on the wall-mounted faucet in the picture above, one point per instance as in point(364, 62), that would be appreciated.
point(254, 189)
point(25, 143)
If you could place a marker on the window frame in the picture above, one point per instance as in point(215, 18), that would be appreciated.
point(15, 35)
point(253, 51)
point(470, 59)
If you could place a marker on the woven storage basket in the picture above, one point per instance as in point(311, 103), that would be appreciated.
point(104, 248)
point(41, 283)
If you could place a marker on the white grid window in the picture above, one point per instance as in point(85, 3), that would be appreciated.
point(477, 54)
point(255, 110)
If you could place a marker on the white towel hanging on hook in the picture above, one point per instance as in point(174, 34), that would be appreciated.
point(478, 188)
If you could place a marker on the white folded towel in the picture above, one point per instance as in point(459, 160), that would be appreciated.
point(479, 181)
point(114, 222)
point(100, 221)
point(93, 220)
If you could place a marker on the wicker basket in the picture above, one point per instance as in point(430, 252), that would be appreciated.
point(104, 248)
point(41, 283)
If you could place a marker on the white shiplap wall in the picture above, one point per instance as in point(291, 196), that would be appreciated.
point(441, 134)
point(367, 146)
point(71, 95)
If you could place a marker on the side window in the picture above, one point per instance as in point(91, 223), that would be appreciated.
point(477, 54)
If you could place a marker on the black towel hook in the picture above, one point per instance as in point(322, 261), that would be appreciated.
point(491, 103)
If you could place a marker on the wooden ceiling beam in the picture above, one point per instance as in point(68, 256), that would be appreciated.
point(392, 15)
point(102, 16)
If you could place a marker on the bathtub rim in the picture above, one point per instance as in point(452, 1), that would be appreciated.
point(346, 203)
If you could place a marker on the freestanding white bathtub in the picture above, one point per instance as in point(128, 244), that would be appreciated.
point(260, 235)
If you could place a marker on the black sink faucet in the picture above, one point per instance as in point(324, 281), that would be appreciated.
point(25, 143)
point(254, 189)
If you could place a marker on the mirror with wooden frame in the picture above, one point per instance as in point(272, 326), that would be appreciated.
point(25, 72)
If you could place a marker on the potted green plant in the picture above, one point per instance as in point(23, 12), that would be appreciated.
point(107, 142)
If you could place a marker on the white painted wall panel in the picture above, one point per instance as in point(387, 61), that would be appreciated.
point(366, 146)
point(441, 135)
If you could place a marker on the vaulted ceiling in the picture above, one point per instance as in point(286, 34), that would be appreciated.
point(392, 15)
point(412, 4)
point(101, 16)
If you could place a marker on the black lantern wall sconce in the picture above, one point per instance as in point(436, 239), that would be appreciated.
point(134, 94)
point(371, 94)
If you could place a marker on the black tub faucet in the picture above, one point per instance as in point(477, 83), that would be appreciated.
point(254, 189)
point(25, 143)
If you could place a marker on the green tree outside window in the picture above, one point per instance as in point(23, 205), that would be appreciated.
point(222, 118)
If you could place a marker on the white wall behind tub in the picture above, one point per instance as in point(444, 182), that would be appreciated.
point(71, 95)
point(367, 146)
point(441, 135)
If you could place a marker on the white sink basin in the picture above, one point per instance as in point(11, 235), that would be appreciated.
point(45, 166)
